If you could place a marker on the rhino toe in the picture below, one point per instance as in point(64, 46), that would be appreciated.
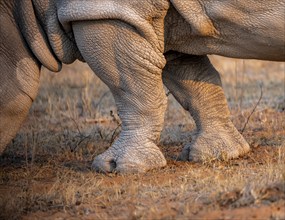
point(129, 159)
point(104, 163)
point(221, 143)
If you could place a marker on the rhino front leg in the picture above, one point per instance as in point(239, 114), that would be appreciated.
point(19, 79)
point(132, 69)
point(197, 86)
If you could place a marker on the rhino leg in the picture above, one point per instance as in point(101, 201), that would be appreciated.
point(19, 80)
point(132, 69)
point(197, 86)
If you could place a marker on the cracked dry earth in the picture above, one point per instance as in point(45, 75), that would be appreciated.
point(45, 172)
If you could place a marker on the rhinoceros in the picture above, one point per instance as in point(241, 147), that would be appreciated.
point(136, 47)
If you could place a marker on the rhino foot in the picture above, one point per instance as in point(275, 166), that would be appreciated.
point(222, 143)
point(124, 158)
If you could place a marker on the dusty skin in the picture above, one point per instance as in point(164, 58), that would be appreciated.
point(45, 172)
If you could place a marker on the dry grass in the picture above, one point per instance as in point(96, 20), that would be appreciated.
point(45, 173)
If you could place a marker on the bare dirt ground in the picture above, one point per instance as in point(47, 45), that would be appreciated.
point(45, 172)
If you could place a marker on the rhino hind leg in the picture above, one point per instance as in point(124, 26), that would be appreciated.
point(121, 61)
point(197, 86)
point(19, 80)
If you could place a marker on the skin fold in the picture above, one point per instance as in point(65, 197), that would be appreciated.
point(136, 47)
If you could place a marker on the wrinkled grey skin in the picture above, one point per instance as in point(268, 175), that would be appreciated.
point(135, 47)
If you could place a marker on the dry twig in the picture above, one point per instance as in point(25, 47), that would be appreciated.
point(253, 110)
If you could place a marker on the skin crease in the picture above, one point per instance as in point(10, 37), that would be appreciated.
point(149, 43)
point(241, 29)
